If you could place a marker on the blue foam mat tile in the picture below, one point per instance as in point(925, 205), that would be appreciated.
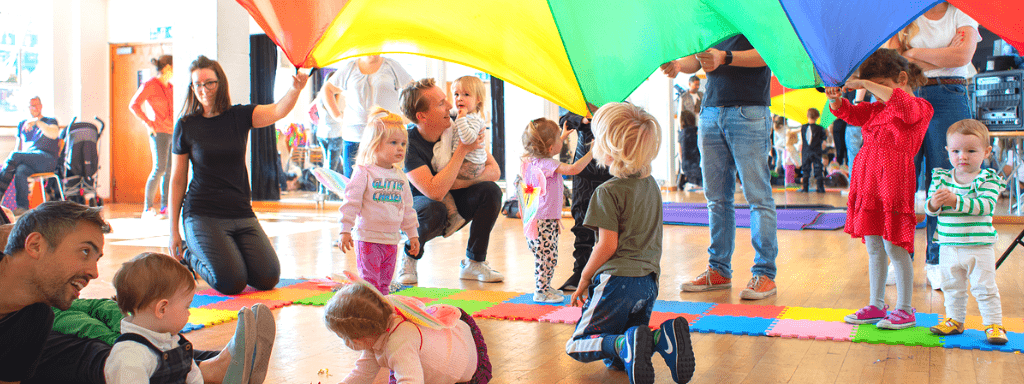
point(201, 300)
point(927, 320)
point(975, 339)
point(753, 326)
point(527, 298)
point(687, 307)
point(191, 327)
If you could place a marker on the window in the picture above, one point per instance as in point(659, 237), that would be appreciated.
point(26, 60)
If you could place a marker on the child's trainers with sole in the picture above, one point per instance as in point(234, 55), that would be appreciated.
point(550, 296)
point(759, 287)
point(674, 345)
point(636, 355)
point(898, 319)
point(996, 334)
point(710, 280)
point(867, 315)
point(948, 327)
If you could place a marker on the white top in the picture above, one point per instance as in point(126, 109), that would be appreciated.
point(419, 355)
point(378, 204)
point(132, 362)
point(939, 33)
point(362, 92)
point(466, 129)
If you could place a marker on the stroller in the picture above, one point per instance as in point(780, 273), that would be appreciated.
point(79, 162)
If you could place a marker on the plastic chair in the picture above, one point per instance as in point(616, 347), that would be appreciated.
point(42, 177)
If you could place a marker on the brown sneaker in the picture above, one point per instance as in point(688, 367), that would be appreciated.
point(758, 288)
point(710, 280)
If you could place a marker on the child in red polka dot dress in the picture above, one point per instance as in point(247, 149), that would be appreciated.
point(881, 202)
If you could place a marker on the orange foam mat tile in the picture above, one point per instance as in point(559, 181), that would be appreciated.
point(509, 311)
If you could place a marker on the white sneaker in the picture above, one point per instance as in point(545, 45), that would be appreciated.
point(407, 275)
point(548, 297)
point(691, 187)
point(890, 277)
point(934, 273)
point(479, 270)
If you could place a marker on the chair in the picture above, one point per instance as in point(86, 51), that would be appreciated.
point(43, 177)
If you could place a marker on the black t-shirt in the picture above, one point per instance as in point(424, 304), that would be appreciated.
point(420, 153)
point(22, 335)
point(729, 85)
point(216, 148)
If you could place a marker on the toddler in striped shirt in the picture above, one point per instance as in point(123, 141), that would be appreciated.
point(964, 199)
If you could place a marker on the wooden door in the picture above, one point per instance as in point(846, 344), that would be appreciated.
point(130, 157)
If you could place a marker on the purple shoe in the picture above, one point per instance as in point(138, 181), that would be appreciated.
point(867, 315)
point(898, 319)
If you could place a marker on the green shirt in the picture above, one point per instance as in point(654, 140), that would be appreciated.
point(632, 208)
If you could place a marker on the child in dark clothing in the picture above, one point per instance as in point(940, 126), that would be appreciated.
point(689, 150)
point(813, 147)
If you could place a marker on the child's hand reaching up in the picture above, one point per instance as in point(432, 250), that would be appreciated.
point(346, 242)
point(566, 131)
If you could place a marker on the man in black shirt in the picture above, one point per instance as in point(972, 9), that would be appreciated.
point(478, 200)
point(735, 128)
point(50, 256)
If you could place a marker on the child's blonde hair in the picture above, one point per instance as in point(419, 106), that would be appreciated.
point(626, 139)
point(792, 138)
point(538, 138)
point(970, 127)
point(379, 126)
point(475, 87)
point(147, 278)
point(356, 311)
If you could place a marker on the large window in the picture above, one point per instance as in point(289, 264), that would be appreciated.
point(26, 59)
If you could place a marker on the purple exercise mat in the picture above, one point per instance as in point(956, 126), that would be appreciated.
point(790, 219)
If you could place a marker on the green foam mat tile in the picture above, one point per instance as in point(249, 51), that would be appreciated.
point(318, 300)
point(919, 336)
point(470, 306)
point(433, 293)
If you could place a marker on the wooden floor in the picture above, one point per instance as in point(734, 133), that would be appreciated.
point(816, 269)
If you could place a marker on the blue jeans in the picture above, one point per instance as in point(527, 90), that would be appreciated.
point(736, 139)
point(950, 103)
point(616, 303)
point(160, 146)
point(349, 158)
point(332, 153)
point(19, 166)
point(854, 140)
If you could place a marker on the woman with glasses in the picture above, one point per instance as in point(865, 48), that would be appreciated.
point(224, 242)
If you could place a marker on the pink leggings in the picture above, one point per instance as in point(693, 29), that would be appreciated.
point(790, 174)
point(376, 263)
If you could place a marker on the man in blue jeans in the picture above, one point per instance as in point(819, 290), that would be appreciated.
point(734, 132)
point(35, 151)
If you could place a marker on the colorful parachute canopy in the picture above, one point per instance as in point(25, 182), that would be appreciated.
point(794, 103)
point(576, 51)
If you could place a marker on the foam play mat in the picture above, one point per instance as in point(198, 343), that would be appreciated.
point(786, 218)
point(212, 308)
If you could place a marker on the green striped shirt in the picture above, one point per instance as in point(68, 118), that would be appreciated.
point(970, 221)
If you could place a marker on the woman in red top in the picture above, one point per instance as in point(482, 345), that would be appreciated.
point(157, 93)
point(881, 203)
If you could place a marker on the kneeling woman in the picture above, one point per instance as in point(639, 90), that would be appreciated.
point(225, 243)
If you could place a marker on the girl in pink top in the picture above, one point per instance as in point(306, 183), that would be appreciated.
point(378, 201)
point(541, 202)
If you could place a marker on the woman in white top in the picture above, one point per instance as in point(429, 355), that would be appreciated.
point(365, 82)
point(942, 42)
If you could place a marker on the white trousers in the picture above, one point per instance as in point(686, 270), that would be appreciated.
point(976, 264)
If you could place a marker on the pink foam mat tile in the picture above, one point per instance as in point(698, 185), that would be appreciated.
point(812, 329)
point(566, 315)
point(744, 310)
point(509, 311)
point(239, 302)
point(660, 317)
point(320, 285)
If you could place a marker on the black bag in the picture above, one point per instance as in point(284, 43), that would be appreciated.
point(510, 208)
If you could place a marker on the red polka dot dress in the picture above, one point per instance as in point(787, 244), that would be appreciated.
point(881, 201)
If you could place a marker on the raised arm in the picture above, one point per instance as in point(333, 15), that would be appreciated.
point(266, 114)
point(576, 167)
point(688, 64)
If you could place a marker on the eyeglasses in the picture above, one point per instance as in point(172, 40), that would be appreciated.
point(209, 85)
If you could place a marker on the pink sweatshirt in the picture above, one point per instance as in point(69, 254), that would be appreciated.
point(378, 204)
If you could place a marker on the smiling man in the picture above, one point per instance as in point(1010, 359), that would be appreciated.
point(50, 257)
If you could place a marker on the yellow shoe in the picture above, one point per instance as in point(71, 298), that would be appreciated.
point(948, 327)
point(996, 334)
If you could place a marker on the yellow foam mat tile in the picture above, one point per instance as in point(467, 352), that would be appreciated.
point(819, 314)
point(283, 294)
point(210, 316)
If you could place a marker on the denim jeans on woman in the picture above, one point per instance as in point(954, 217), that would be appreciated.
point(854, 140)
point(736, 139)
point(160, 146)
point(950, 103)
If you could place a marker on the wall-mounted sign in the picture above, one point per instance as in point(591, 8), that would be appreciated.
point(160, 33)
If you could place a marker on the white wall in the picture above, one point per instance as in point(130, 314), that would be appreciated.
point(131, 21)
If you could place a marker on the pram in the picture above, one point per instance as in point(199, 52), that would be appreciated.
point(80, 161)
